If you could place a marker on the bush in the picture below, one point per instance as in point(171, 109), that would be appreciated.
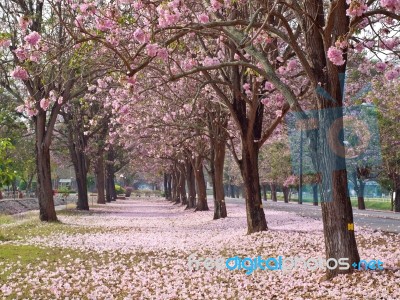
point(23, 185)
point(64, 190)
point(119, 189)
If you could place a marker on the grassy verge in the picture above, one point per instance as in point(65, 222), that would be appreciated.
point(369, 204)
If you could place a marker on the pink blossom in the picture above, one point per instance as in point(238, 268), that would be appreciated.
point(163, 54)
point(359, 47)
point(33, 38)
point(139, 36)
point(279, 113)
point(369, 44)
point(189, 64)
point(335, 55)
point(246, 86)
point(45, 103)
point(392, 74)
point(34, 56)
point(137, 4)
point(203, 18)
point(5, 43)
point(166, 17)
point(20, 108)
point(152, 49)
point(21, 54)
point(392, 5)
point(86, 8)
point(269, 86)
point(20, 73)
point(78, 21)
point(292, 65)
point(31, 111)
point(216, 4)
point(341, 44)
point(208, 61)
point(357, 8)
point(131, 80)
point(380, 66)
point(390, 44)
point(104, 24)
point(23, 23)
point(290, 181)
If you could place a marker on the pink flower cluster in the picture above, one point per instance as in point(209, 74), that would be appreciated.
point(33, 38)
point(5, 43)
point(20, 73)
point(140, 36)
point(155, 50)
point(393, 74)
point(392, 5)
point(169, 16)
point(357, 8)
point(210, 61)
point(216, 5)
point(24, 22)
point(203, 18)
point(380, 66)
point(335, 55)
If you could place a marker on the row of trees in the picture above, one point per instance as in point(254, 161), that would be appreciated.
point(174, 82)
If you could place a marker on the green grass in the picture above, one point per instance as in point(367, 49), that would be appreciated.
point(6, 219)
point(28, 225)
point(378, 205)
point(369, 203)
point(17, 258)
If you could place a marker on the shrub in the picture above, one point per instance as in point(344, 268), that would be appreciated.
point(119, 189)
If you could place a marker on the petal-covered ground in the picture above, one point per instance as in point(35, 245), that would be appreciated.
point(139, 249)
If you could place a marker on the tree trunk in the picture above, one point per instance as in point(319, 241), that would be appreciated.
point(201, 185)
point(178, 186)
point(182, 186)
point(237, 191)
point(360, 195)
point(264, 188)
point(175, 186)
point(273, 192)
point(219, 201)
point(249, 168)
point(100, 179)
point(328, 150)
point(111, 193)
point(81, 180)
point(232, 190)
point(315, 194)
point(79, 161)
point(77, 145)
point(337, 212)
point(44, 187)
point(397, 200)
point(169, 185)
point(285, 191)
point(191, 183)
point(166, 191)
